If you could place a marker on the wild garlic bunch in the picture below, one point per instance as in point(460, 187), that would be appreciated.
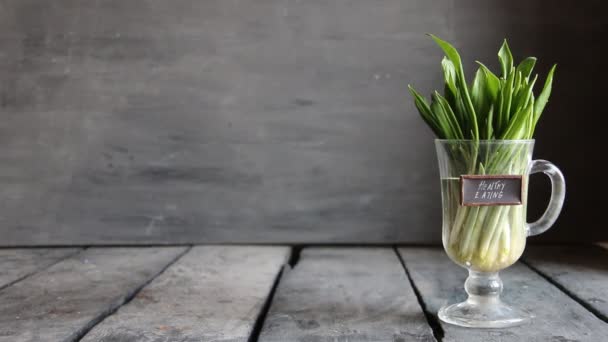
point(490, 109)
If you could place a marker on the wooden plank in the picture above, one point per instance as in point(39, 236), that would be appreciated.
point(65, 300)
point(582, 271)
point(18, 263)
point(558, 317)
point(213, 293)
point(346, 294)
point(155, 121)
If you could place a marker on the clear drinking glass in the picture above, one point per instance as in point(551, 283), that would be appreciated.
point(484, 186)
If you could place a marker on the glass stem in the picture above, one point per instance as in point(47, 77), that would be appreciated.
point(483, 287)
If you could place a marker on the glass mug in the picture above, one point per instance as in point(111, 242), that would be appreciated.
point(484, 186)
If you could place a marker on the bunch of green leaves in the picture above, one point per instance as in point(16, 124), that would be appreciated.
point(491, 107)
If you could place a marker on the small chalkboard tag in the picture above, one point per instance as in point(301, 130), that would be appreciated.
point(478, 190)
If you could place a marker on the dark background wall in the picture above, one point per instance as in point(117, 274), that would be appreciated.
point(153, 121)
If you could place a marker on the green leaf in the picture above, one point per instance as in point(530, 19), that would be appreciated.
point(465, 123)
point(517, 124)
point(531, 124)
point(492, 83)
point(450, 115)
point(449, 75)
point(425, 112)
point(478, 94)
point(506, 59)
point(518, 83)
point(543, 98)
point(498, 121)
point(524, 95)
point(526, 66)
point(449, 50)
point(507, 96)
point(442, 118)
point(452, 55)
point(489, 120)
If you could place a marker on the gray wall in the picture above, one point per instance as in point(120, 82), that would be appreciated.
point(156, 121)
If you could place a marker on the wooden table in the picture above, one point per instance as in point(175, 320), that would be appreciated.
point(276, 293)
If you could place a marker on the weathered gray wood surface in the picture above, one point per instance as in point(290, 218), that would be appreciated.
point(345, 294)
point(582, 271)
point(558, 317)
point(210, 294)
point(18, 263)
point(215, 293)
point(63, 301)
point(154, 121)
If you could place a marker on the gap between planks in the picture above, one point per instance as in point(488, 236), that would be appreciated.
point(566, 291)
point(169, 307)
point(558, 316)
point(259, 322)
point(292, 261)
point(431, 319)
point(42, 268)
point(354, 294)
point(129, 297)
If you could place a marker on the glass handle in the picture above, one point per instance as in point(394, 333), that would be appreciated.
point(558, 193)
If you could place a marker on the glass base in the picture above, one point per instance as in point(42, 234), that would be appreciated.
point(483, 313)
